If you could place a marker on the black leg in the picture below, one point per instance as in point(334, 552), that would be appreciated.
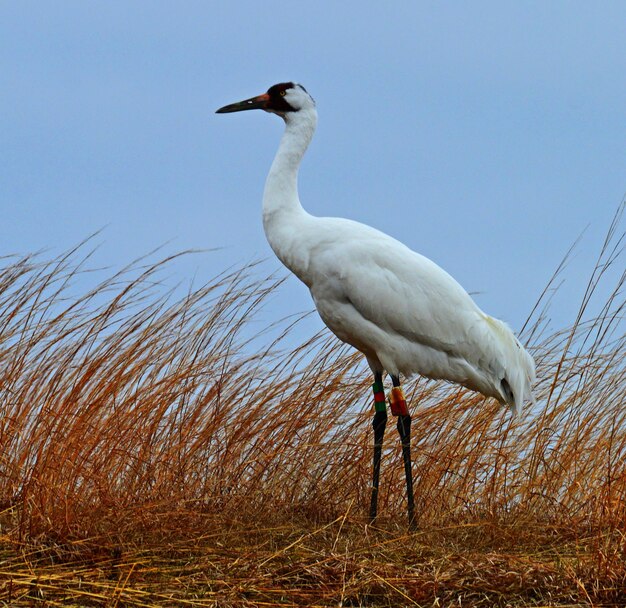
point(404, 429)
point(379, 423)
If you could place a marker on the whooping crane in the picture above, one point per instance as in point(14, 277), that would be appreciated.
point(401, 310)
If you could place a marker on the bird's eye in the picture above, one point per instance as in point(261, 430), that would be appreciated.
point(283, 93)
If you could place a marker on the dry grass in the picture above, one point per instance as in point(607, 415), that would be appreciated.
point(160, 450)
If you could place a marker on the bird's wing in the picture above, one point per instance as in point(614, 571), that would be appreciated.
point(364, 281)
point(399, 290)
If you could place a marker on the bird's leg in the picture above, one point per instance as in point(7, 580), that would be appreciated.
point(379, 423)
point(400, 409)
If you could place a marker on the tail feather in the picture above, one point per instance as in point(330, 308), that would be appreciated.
point(518, 368)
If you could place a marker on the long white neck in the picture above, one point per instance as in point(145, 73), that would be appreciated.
point(283, 214)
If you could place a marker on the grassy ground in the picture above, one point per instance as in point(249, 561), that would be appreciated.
point(341, 563)
point(158, 450)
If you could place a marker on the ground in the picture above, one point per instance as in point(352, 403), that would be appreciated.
point(344, 562)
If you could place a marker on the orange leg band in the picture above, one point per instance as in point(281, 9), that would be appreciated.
point(398, 402)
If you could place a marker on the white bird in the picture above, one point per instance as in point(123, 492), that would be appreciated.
point(401, 310)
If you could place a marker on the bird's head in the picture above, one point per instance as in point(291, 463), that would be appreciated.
point(284, 99)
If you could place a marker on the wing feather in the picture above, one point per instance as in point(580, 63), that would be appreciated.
point(417, 314)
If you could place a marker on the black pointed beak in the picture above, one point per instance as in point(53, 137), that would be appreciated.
point(254, 103)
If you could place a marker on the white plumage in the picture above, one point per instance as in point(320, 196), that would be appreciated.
point(400, 309)
point(405, 313)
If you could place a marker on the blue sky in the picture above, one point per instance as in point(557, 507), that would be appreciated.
point(485, 135)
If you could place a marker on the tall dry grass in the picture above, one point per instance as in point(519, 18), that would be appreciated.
point(128, 411)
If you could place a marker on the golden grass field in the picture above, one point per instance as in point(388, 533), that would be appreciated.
point(159, 450)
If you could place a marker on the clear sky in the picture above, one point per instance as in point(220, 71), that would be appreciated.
point(485, 135)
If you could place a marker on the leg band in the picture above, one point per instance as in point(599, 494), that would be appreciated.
point(398, 402)
point(379, 397)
